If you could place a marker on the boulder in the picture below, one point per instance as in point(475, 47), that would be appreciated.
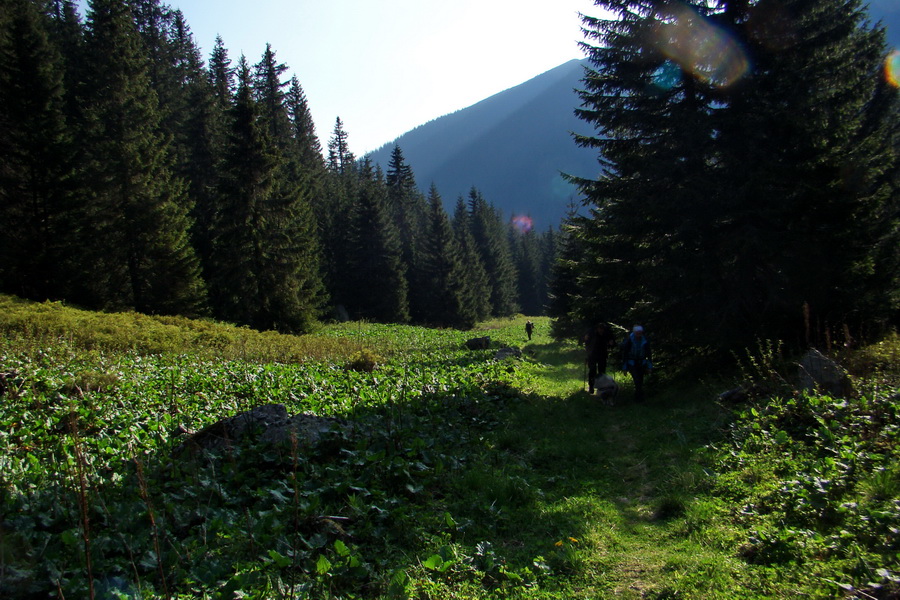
point(734, 396)
point(508, 353)
point(268, 424)
point(307, 429)
point(479, 343)
point(818, 373)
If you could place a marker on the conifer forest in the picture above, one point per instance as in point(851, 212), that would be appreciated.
point(138, 175)
point(750, 174)
point(747, 185)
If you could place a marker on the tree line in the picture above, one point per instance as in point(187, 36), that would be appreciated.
point(135, 175)
point(750, 175)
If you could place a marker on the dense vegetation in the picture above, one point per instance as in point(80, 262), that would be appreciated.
point(135, 176)
point(749, 194)
point(463, 476)
point(750, 185)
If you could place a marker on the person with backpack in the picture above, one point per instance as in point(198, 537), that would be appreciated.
point(637, 359)
point(597, 343)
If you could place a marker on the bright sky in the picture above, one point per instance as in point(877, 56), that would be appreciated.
point(386, 67)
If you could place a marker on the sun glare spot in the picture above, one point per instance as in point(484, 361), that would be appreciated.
point(522, 223)
point(892, 68)
point(699, 47)
point(667, 76)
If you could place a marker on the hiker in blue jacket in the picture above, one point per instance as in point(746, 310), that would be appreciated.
point(636, 359)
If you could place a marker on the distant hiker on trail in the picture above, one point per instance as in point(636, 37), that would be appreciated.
point(597, 342)
point(636, 359)
point(529, 328)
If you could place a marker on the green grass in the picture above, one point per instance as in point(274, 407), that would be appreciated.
point(473, 478)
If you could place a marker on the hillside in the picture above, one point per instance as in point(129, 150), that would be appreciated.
point(511, 146)
point(514, 145)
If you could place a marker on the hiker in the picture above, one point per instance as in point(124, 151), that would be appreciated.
point(529, 328)
point(636, 359)
point(597, 342)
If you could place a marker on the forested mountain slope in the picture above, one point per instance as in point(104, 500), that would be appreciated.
point(511, 146)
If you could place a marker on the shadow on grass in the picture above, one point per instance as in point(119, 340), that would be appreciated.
point(571, 468)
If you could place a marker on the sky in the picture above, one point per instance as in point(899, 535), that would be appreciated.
point(389, 66)
point(385, 67)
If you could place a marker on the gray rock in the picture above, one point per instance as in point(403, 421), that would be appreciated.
point(479, 343)
point(305, 429)
point(508, 353)
point(270, 425)
point(818, 373)
point(734, 396)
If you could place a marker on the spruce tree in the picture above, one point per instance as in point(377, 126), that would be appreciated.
point(296, 248)
point(154, 23)
point(376, 278)
point(270, 94)
point(265, 273)
point(238, 230)
point(566, 304)
point(340, 158)
point(443, 272)
point(201, 138)
point(492, 242)
point(548, 254)
point(67, 35)
point(408, 210)
point(136, 220)
point(476, 285)
point(292, 277)
point(333, 207)
point(216, 121)
point(189, 114)
point(738, 184)
point(36, 170)
point(306, 144)
point(221, 74)
point(527, 255)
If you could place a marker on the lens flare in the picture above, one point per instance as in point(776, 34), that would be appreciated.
point(667, 76)
point(522, 223)
point(892, 68)
point(699, 47)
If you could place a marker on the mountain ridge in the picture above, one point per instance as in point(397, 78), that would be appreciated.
point(528, 124)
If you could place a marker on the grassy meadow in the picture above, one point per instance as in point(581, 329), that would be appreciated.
point(462, 477)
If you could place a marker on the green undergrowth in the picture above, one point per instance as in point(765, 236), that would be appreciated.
point(453, 474)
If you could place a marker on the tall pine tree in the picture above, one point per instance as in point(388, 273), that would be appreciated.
point(296, 280)
point(492, 242)
point(570, 310)
point(139, 250)
point(36, 169)
point(527, 256)
point(265, 274)
point(377, 275)
point(442, 271)
point(476, 285)
point(334, 206)
point(746, 153)
point(408, 211)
